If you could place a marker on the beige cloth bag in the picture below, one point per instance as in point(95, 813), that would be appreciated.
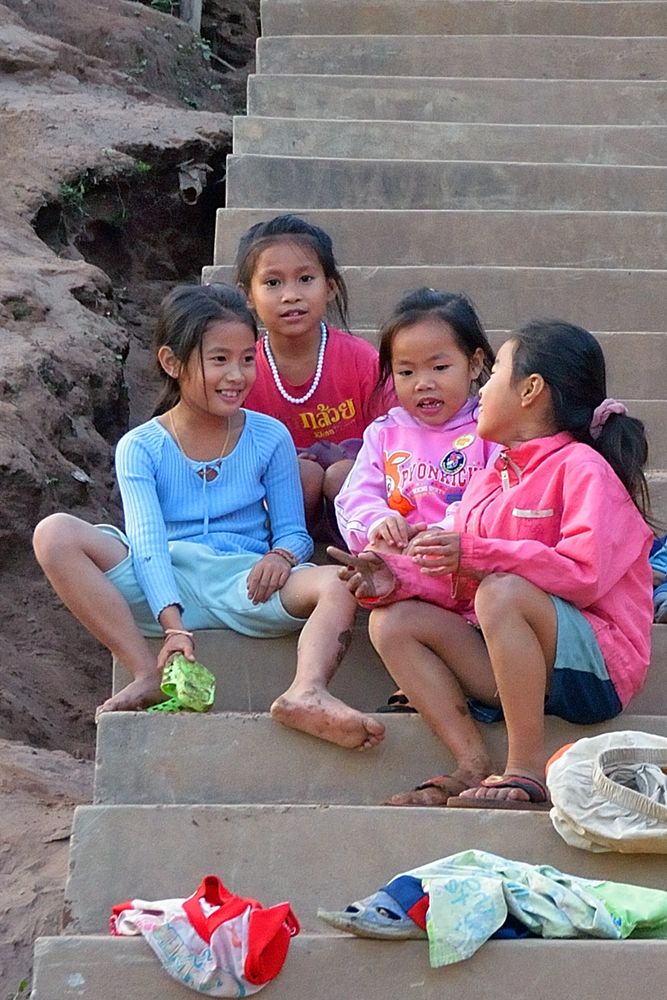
point(609, 793)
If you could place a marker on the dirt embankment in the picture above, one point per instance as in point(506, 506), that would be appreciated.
point(101, 106)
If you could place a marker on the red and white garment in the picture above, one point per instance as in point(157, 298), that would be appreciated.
point(215, 942)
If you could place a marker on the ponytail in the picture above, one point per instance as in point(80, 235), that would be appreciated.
point(622, 442)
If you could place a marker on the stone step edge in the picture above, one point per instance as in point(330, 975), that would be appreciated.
point(409, 753)
point(331, 966)
point(441, 123)
point(373, 268)
point(395, 164)
point(462, 79)
point(556, 213)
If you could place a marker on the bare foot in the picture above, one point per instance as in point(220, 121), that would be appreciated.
point(315, 711)
point(137, 694)
point(366, 575)
point(509, 788)
point(436, 791)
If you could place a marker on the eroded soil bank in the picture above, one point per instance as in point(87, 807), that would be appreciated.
point(113, 115)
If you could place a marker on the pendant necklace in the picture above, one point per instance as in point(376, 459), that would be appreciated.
point(210, 470)
point(318, 368)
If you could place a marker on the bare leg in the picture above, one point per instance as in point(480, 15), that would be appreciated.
point(75, 556)
point(437, 659)
point(520, 626)
point(312, 480)
point(318, 594)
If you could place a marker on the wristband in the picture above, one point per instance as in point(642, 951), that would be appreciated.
point(178, 631)
point(286, 555)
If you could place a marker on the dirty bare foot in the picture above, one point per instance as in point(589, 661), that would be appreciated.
point(313, 710)
point(436, 791)
point(137, 694)
point(366, 575)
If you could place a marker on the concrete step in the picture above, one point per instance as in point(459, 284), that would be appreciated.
point(567, 102)
point(554, 57)
point(291, 852)
point(457, 17)
point(316, 182)
point(234, 758)
point(657, 485)
point(633, 365)
point(246, 684)
point(261, 669)
point(476, 238)
point(336, 967)
point(631, 144)
point(599, 299)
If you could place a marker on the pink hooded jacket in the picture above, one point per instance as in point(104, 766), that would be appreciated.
point(554, 512)
point(409, 468)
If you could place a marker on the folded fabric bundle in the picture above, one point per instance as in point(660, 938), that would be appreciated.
point(214, 942)
point(609, 793)
point(469, 897)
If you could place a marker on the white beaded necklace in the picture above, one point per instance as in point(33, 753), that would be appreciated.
point(318, 368)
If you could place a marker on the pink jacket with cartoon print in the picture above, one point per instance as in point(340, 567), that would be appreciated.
point(407, 467)
point(554, 512)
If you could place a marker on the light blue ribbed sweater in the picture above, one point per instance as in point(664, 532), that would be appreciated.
point(253, 505)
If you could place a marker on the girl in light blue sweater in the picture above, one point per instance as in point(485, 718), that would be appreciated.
point(214, 528)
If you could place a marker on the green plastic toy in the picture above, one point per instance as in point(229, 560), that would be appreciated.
point(188, 686)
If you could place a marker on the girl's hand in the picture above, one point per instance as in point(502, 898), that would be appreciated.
point(267, 576)
point(394, 530)
point(437, 552)
point(366, 576)
point(176, 644)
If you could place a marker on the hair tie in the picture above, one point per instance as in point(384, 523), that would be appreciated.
point(602, 413)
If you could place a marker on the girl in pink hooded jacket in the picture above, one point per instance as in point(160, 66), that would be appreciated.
point(548, 561)
point(416, 461)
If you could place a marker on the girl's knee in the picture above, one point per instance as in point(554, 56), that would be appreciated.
point(312, 475)
point(499, 595)
point(320, 585)
point(332, 588)
point(386, 625)
point(50, 533)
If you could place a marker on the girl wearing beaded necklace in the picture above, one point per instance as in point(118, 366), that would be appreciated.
point(214, 528)
point(317, 379)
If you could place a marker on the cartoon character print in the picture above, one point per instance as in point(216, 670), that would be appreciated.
point(395, 499)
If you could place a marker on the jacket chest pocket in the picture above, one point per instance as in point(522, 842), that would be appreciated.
point(540, 524)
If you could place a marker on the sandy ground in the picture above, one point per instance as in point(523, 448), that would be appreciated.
point(100, 102)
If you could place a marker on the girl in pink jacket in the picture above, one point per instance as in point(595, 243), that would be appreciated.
point(416, 461)
point(548, 562)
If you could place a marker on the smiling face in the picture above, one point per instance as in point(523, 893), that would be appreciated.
point(218, 382)
point(289, 290)
point(432, 375)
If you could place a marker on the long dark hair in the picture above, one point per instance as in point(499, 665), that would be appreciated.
point(292, 229)
point(453, 308)
point(571, 362)
point(183, 318)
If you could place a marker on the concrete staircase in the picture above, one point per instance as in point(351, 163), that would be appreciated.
point(514, 150)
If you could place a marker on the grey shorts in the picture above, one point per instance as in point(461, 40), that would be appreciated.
point(580, 690)
point(212, 588)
